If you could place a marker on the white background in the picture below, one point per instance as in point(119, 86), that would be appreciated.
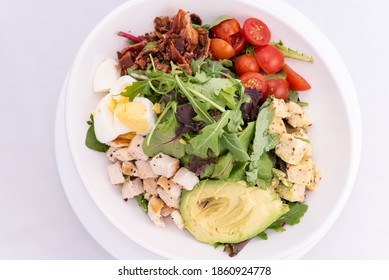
point(38, 41)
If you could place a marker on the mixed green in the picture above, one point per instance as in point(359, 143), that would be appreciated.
point(238, 127)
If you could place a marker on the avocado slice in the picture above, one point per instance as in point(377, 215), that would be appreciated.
point(229, 212)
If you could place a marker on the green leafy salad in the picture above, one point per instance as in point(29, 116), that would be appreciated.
point(215, 140)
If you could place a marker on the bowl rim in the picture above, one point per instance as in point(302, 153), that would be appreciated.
point(279, 8)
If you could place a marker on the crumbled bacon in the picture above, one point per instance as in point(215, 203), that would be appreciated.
point(176, 40)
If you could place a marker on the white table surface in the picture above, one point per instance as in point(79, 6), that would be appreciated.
point(38, 41)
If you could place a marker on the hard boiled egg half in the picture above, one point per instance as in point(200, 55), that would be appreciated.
point(115, 115)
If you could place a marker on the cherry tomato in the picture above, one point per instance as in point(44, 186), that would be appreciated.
point(220, 49)
point(238, 42)
point(226, 29)
point(269, 58)
point(246, 63)
point(295, 80)
point(278, 87)
point(256, 32)
point(254, 80)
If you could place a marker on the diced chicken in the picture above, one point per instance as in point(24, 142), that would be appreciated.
point(154, 211)
point(135, 148)
point(150, 186)
point(164, 165)
point(174, 203)
point(291, 149)
point(177, 219)
point(185, 178)
point(294, 193)
point(144, 169)
point(316, 177)
point(297, 116)
point(115, 173)
point(132, 188)
point(166, 211)
point(128, 168)
point(277, 126)
point(119, 143)
point(147, 196)
point(301, 173)
point(281, 110)
point(172, 189)
point(301, 134)
point(123, 154)
point(110, 153)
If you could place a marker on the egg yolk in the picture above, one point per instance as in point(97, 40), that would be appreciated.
point(132, 115)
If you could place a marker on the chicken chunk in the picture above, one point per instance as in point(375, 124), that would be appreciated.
point(144, 169)
point(166, 211)
point(166, 198)
point(185, 178)
point(281, 110)
point(177, 219)
point(295, 193)
point(150, 186)
point(301, 173)
point(172, 189)
point(297, 117)
point(128, 168)
point(291, 149)
point(164, 165)
point(132, 188)
point(154, 211)
point(115, 173)
point(277, 126)
point(110, 153)
point(123, 154)
point(135, 148)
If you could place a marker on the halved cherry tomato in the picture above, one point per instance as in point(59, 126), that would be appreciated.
point(278, 87)
point(220, 49)
point(238, 42)
point(226, 29)
point(246, 63)
point(254, 80)
point(256, 32)
point(295, 80)
point(269, 58)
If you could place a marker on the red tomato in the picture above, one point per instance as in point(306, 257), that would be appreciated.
point(269, 58)
point(238, 42)
point(256, 32)
point(220, 49)
point(246, 63)
point(226, 29)
point(278, 87)
point(254, 80)
point(295, 80)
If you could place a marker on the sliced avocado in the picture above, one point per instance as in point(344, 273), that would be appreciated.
point(229, 212)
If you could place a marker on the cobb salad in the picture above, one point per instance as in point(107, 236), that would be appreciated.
point(203, 123)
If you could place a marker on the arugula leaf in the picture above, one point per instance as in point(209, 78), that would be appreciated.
point(262, 235)
point(223, 167)
point(142, 202)
point(238, 172)
point(163, 139)
point(246, 136)
point(91, 141)
point(232, 143)
point(208, 139)
point(292, 217)
point(199, 107)
point(262, 142)
point(150, 45)
point(293, 95)
point(287, 52)
point(280, 74)
point(217, 21)
point(135, 89)
point(215, 69)
point(265, 166)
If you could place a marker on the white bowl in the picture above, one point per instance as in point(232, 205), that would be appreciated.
point(333, 107)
